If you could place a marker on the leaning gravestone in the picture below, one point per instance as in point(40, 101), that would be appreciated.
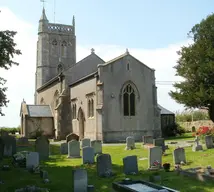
point(86, 142)
point(130, 165)
point(32, 160)
point(209, 141)
point(130, 143)
point(97, 145)
point(64, 148)
point(159, 142)
point(155, 155)
point(104, 165)
point(72, 136)
point(42, 147)
point(88, 155)
point(1, 148)
point(179, 156)
point(197, 146)
point(9, 145)
point(74, 149)
point(80, 180)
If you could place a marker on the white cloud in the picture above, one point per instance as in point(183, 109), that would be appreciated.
point(20, 80)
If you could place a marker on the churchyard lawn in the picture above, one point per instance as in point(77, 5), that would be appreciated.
point(59, 169)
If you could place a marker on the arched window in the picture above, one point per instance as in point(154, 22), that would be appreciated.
point(74, 111)
point(129, 101)
point(42, 102)
point(89, 107)
point(64, 48)
point(92, 108)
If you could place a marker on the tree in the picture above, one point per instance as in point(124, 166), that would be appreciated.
point(196, 66)
point(7, 53)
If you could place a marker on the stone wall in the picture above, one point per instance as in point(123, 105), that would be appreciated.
point(197, 124)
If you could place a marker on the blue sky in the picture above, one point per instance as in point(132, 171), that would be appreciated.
point(152, 30)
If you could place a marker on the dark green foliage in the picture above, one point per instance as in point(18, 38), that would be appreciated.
point(196, 66)
point(7, 53)
point(193, 129)
point(172, 130)
point(10, 130)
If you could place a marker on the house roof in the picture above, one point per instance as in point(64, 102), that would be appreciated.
point(165, 111)
point(83, 68)
point(39, 111)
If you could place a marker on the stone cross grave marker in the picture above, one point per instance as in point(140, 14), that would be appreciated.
point(155, 155)
point(64, 148)
point(130, 143)
point(209, 141)
point(130, 165)
point(197, 146)
point(32, 160)
point(88, 155)
point(9, 145)
point(74, 149)
point(80, 180)
point(179, 156)
point(86, 142)
point(42, 147)
point(104, 165)
point(97, 145)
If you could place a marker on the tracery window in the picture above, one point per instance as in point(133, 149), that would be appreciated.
point(74, 111)
point(129, 101)
point(90, 108)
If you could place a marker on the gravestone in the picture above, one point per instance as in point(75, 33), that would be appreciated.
point(42, 147)
point(4, 133)
point(97, 145)
point(32, 160)
point(130, 143)
point(104, 165)
point(197, 146)
point(80, 180)
point(155, 155)
point(1, 148)
point(159, 142)
point(88, 155)
point(72, 136)
point(209, 141)
point(130, 165)
point(23, 141)
point(86, 142)
point(64, 148)
point(74, 149)
point(147, 139)
point(9, 145)
point(179, 156)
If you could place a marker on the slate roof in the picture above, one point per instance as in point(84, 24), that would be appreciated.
point(83, 68)
point(165, 111)
point(39, 111)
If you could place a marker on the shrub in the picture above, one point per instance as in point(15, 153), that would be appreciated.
point(10, 130)
point(193, 129)
point(172, 130)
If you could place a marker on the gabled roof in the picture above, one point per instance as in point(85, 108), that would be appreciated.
point(83, 68)
point(39, 111)
point(165, 111)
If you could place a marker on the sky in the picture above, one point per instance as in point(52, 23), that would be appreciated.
point(153, 31)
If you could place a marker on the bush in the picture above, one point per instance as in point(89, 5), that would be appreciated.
point(10, 130)
point(172, 130)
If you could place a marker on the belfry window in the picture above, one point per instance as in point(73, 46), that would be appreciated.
point(129, 101)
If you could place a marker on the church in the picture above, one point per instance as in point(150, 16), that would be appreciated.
point(93, 98)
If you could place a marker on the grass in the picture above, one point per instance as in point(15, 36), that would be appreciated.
point(60, 171)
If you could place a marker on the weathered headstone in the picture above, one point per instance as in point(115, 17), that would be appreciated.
point(104, 165)
point(9, 145)
point(147, 140)
point(88, 155)
point(32, 160)
point(86, 142)
point(23, 141)
point(209, 141)
point(72, 136)
point(130, 143)
point(155, 155)
point(159, 142)
point(80, 180)
point(130, 165)
point(74, 149)
point(97, 145)
point(64, 148)
point(197, 146)
point(1, 148)
point(179, 156)
point(42, 147)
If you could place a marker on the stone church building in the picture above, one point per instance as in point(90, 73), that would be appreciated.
point(93, 98)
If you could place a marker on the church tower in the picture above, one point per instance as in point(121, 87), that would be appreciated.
point(56, 45)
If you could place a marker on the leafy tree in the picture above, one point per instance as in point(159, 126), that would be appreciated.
point(196, 66)
point(7, 53)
